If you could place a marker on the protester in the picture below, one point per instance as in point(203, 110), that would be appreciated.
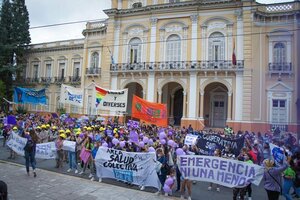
point(289, 176)
point(272, 178)
point(217, 153)
point(30, 149)
point(162, 174)
point(72, 157)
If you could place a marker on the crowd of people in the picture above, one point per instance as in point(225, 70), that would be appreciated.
point(93, 133)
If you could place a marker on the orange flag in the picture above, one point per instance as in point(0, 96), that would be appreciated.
point(154, 113)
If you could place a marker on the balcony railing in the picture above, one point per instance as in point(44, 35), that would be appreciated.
point(178, 66)
point(74, 79)
point(280, 68)
point(59, 80)
point(281, 127)
point(33, 80)
point(93, 71)
point(46, 79)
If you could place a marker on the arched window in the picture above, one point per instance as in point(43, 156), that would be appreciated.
point(216, 47)
point(279, 53)
point(173, 48)
point(135, 50)
point(95, 60)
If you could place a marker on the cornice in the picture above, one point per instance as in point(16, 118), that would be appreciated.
point(52, 49)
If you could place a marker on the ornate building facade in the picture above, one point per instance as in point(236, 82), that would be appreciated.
point(213, 62)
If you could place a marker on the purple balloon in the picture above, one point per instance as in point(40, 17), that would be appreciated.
point(170, 133)
point(105, 144)
point(146, 140)
point(122, 144)
point(162, 135)
point(150, 141)
point(162, 141)
point(179, 152)
point(171, 143)
point(151, 149)
point(167, 189)
point(169, 181)
point(115, 141)
point(81, 135)
point(141, 144)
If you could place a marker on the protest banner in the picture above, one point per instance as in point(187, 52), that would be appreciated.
point(154, 113)
point(69, 145)
point(84, 155)
point(222, 171)
point(209, 142)
point(71, 95)
point(190, 139)
point(16, 143)
point(43, 151)
point(277, 153)
point(112, 100)
point(131, 167)
point(28, 95)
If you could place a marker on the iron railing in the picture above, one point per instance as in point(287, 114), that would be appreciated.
point(279, 68)
point(92, 71)
point(74, 79)
point(60, 79)
point(46, 79)
point(178, 65)
point(281, 127)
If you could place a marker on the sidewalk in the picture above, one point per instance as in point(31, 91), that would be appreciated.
point(52, 186)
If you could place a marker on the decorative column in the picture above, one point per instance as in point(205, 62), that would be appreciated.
point(119, 4)
point(201, 104)
point(203, 43)
point(239, 96)
point(159, 96)
point(125, 48)
point(153, 22)
point(150, 87)
point(192, 95)
point(184, 43)
point(240, 36)
point(184, 105)
point(172, 106)
point(194, 46)
point(116, 42)
point(229, 106)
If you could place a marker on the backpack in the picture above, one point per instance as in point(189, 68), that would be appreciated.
point(29, 146)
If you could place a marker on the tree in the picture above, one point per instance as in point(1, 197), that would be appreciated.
point(14, 40)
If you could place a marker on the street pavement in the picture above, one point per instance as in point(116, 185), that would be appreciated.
point(53, 183)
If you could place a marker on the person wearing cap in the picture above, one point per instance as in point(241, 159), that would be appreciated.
point(43, 135)
point(53, 134)
point(59, 150)
point(72, 156)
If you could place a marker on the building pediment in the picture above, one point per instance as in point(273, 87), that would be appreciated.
point(280, 87)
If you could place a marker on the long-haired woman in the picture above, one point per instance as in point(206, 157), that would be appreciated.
point(30, 149)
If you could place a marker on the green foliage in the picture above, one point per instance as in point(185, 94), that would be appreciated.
point(21, 110)
point(2, 89)
point(61, 110)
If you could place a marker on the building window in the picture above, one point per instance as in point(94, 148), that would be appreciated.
point(58, 104)
point(48, 70)
point(279, 53)
point(95, 60)
point(61, 72)
point(74, 109)
point(35, 71)
point(76, 70)
point(279, 111)
point(173, 48)
point(135, 50)
point(174, 1)
point(216, 47)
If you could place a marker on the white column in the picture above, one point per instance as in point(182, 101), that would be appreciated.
point(119, 4)
point(114, 82)
point(239, 96)
point(270, 52)
point(150, 87)
point(116, 42)
point(288, 52)
point(153, 39)
point(184, 104)
point(203, 41)
point(194, 49)
point(192, 95)
point(240, 36)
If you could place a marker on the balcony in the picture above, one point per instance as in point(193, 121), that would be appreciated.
point(93, 71)
point(46, 80)
point(280, 68)
point(224, 65)
point(75, 80)
point(59, 80)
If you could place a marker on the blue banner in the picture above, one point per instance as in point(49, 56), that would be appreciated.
point(28, 95)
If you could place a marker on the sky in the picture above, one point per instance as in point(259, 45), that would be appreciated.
point(48, 12)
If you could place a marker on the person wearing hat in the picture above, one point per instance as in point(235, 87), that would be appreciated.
point(72, 156)
point(13, 131)
point(59, 144)
point(53, 134)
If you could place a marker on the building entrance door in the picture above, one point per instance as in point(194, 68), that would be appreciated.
point(218, 110)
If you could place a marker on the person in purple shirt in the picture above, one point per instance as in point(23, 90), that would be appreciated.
point(272, 178)
point(29, 150)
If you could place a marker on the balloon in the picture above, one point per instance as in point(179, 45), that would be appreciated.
point(122, 144)
point(170, 133)
point(141, 144)
point(150, 141)
point(179, 152)
point(81, 135)
point(162, 135)
point(104, 144)
point(151, 149)
point(146, 140)
point(162, 141)
point(169, 181)
point(141, 135)
point(167, 189)
point(115, 141)
point(171, 143)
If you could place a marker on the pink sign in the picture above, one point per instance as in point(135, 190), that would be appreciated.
point(84, 155)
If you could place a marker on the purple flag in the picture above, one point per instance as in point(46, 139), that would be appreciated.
point(11, 120)
point(134, 137)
